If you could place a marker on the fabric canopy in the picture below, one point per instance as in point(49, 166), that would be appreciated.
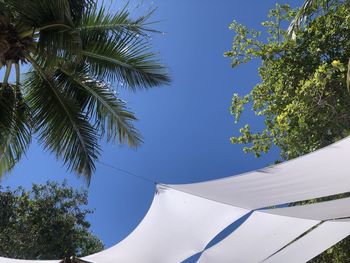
point(277, 227)
point(321, 173)
point(177, 226)
point(312, 244)
point(259, 237)
point(183, 219)
point(339, 208)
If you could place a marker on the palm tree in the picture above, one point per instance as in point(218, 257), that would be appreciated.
point(73, 49)
point(305, 12)
point(308, 8)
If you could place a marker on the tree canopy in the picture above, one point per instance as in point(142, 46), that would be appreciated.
point(304, 91)
point(303, 94)
point(74, 50)
point(45, 222)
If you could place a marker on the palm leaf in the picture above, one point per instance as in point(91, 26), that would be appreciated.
point(63, 128)
point(109, 112)
point(125, 59)
point(305, 11)
point(15, 127)
point(53, 24)
point(38, 13)
point(97, 19)
point(74, 47)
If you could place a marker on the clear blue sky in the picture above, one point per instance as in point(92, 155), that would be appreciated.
point(186, 126)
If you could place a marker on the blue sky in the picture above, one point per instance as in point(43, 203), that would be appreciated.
point(186, 126)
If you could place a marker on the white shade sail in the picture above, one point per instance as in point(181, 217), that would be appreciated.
point(183, 219)
point(312, 244)
point(177, 226)
point(274, 228)
point(257, 238)
point(321, 173)
point(335, 209)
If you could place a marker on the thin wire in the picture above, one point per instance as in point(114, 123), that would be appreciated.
point(183, 191)
point(120, 170)
point(168, 186)
point(128, 173)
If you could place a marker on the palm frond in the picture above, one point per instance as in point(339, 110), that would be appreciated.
point(15, 127)
point(110, 113)
point(38, 13)
point(305, 11)
point(78, 8)
point(98, 20)
point(52, 22)
point(126, 59)
point(300, 16)
point(75, 48)
point(62, 126)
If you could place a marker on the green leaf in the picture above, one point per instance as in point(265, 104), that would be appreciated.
point(98, 20)
point(62, 125)
point(75, 47)
point(15, 129)
point(109, 112)
point(124, 59)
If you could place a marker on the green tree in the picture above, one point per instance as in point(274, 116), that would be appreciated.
point(73, 49)
point(46, 222)
point(303, 95)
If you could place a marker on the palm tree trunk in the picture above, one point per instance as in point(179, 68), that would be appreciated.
point(7, 73)
point(18, 75)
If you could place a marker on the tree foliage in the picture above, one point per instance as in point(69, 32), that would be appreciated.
point(46, 222)
point(303, 94)
point(75, 49)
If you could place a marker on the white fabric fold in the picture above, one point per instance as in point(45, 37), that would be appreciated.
point(257, 238)
point(177, 226)
point(334, 209)
point(312, 244)
point(321, 173)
